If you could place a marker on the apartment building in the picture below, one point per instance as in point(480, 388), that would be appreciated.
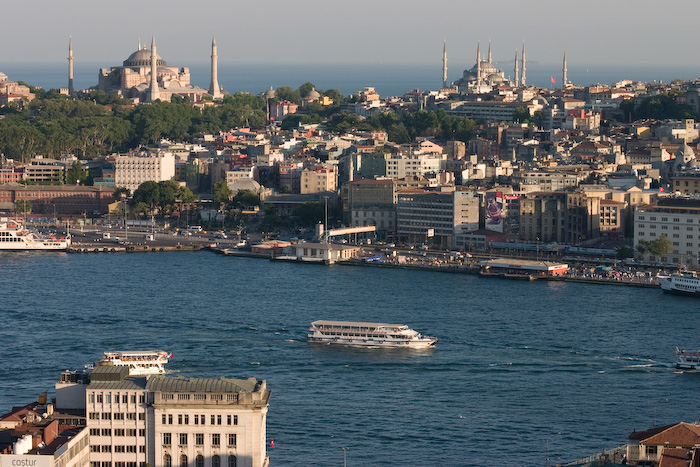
point(131, 170)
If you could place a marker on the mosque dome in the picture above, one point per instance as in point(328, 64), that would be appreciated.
point(3, 77)
point(685, 152)
point(142, 57)
point(313, 95)
point(270, 93)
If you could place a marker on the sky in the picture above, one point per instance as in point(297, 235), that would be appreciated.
point(593, 32)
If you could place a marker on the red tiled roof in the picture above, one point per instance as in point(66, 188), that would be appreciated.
point(681, 434)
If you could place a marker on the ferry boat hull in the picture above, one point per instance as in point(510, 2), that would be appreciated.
point(683, 283)
point(369, 335)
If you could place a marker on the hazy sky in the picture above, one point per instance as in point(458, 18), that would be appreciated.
point(628, 33)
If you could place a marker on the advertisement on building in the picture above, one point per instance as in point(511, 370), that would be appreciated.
point(11, 460)
point(494, 211)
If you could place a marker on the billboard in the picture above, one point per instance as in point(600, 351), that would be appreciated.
point(11, 460)
point(494, 211)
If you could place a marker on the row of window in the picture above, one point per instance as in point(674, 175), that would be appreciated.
point(116, 464)
point(115, 416)
point(663, 227)
point(665, 219)
point(198, 461)
point(116, 398)
point(117, 432)
point(117, 448)
point(231, 397)
point(167, 419)
point(198, 439)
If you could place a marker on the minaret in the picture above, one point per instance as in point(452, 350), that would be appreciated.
point(517, 70)
point(444, 64)
point(522, 81)
point(563, 78)
point(214, 88)
point(478, 63)
point(70, 65)
point(139, 44)
point(154, 93)
point(489, 50)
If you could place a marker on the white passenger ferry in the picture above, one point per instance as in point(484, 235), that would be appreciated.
point(682, 283)
point(149, 362)
point(14, 237)
point(687, 360)
point(368, 335)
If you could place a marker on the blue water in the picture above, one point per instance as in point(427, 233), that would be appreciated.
point(388, 79)
point(520, 367)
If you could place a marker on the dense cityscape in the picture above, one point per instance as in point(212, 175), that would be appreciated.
point(485, 175)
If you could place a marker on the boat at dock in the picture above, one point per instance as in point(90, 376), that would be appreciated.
point(362, 334)
point(148, 362)
point(15, 237)
point(687, 360)
point(680, 283)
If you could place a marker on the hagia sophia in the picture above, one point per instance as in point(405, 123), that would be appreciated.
point(145, 76)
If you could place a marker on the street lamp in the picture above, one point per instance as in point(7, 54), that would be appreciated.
point(126, 233)
point(325, 225)
point(345, 457)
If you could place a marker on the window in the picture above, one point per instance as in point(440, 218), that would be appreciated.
point(118, 416)
point(199, 439)
point(183, 439)
point(94, 448)
point(187, 419)
point(164, 419)
point(232, 461)
point(167, 439)
point(142, 448)
point(170, 419)
point(215, 439)
point(131, 449)
point(125, 398)
point(131, 416)
point(106, 448)
point(108, 398)
point(179, 419)
point(94, 432)
point(133, 398)
point(142, 416)
point(196, 419)
point(235, 419)
point(106, 432)
point(119, 448)
point(167, 461)
point(130, 432)
point(119, 432)
point(201, 418)
point(94, 416)
point(212, 420)
point(228, 419)
point(199, 461)
point(215, 461)
point(231, 439)
point(99, 398)
point(218, 419)
point(183, 461)
point(91, 398)
point(142, 398)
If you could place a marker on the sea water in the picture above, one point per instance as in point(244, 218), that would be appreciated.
point(523, 372)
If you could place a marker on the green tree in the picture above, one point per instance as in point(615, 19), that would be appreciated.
point(309, 214)
point(247, 198)
point(23, 206)
point(76, 174)
point(660, 247)
point(521, 113)
point(222, 193)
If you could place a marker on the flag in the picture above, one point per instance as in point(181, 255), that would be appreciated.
point(171, 355)
point(272, 443)
point(553, 80)
point(661, 188)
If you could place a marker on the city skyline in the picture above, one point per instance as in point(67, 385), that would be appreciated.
point(382, 33)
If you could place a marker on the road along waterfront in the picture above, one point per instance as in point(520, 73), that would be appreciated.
point(520, 365)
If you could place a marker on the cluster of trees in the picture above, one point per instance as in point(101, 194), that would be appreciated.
point(160, 197)
point(657, 248)
point(660, 107)
point(405, 127)
point(54, 124)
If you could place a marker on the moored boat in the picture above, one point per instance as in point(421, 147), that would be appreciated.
point(14, 237)
point(680, 283)
point(687, 360)
point(362, 334)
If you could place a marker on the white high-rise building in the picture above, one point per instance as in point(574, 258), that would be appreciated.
point(131, 170)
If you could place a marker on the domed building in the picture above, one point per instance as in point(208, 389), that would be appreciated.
point(133, 80)
point(483, 76)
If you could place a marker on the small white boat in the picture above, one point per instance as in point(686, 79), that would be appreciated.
point(14, 237)
point(148, 362)
point(361, 334)
point(687, 360)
